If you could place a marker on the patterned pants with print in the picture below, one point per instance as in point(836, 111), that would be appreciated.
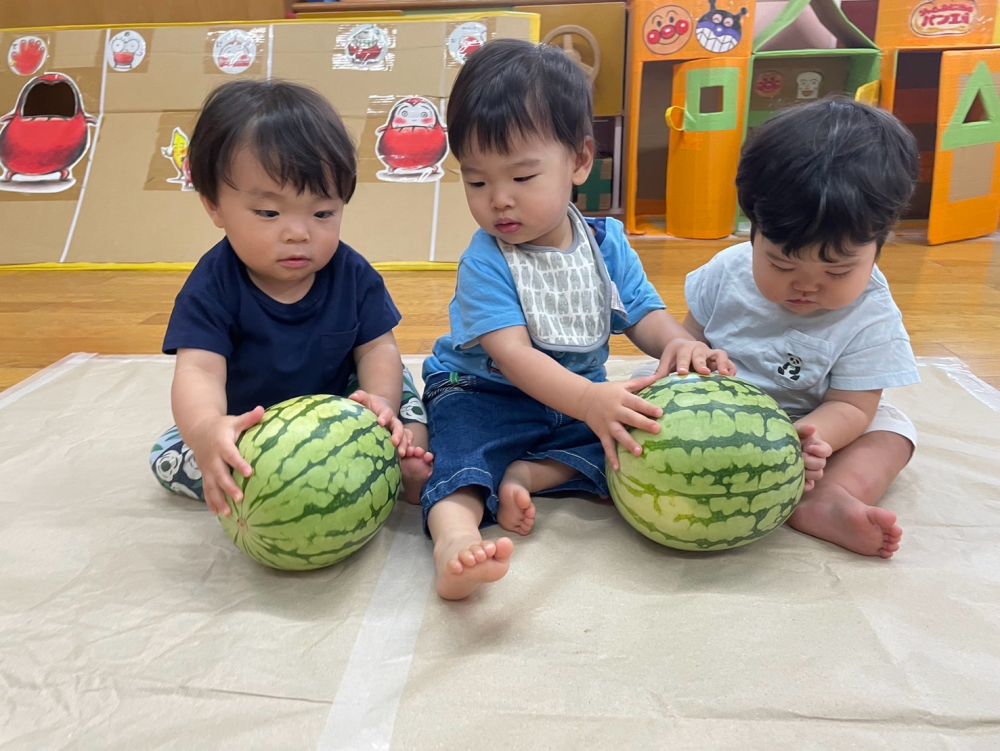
point(173, 462)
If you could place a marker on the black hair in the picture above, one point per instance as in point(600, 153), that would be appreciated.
point(292, 130)
point(511, 88)
point(829, 174)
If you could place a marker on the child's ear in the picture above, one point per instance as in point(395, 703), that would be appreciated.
point(213, 211)
point(584, 162)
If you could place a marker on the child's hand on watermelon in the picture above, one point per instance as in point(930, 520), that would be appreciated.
point(213, 442)
point(612, 408)
point(684, 355)
point(815, 452)
point(385, 415)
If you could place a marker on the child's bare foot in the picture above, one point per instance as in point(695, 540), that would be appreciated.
point(465, 562)
point(416, 465)
point(831, 513)
point(517, 512)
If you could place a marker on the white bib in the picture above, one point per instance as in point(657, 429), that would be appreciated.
point(567, 296)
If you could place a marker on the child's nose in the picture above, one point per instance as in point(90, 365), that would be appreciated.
point(294, 232)
point(501, 199)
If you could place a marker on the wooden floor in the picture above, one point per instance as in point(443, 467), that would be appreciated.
point(950, 297)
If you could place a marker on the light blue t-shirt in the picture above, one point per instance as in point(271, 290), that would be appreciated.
point(486, 300)
point(797, 359)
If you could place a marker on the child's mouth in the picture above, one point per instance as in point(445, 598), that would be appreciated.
point(507, 228)
point(296, 262)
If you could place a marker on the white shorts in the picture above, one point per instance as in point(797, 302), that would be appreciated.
point(893, 420)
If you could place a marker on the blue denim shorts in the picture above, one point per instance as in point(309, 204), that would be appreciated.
point(478, 427)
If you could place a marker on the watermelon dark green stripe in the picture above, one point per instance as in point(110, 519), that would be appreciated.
point(725, 469)
point(325, 479)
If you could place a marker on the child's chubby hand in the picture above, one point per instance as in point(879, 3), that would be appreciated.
point(213, 442)
point(386, 417)
point(611, 408)
point(684, 355)
point(815, 452)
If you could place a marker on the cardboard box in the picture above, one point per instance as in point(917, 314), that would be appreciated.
point(46, 13)
point(110, 186)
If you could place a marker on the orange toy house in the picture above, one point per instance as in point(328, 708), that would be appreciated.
point(688, 65)
point(939, 76)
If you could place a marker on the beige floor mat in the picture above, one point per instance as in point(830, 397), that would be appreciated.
point(128, 619)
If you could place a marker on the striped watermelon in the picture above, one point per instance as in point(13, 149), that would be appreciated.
point(725, 469)
point(325, 478)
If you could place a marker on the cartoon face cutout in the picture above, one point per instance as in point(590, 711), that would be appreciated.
point(466, 39)
point(719, 30)
point(367, 44)
point(768, 84)
point(234, 51)
point(126, 50)
point(807, 85)
point(45, 135)
point(412, 143)
point(667, 29)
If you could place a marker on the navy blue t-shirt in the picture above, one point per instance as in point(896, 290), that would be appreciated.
point(275, 350)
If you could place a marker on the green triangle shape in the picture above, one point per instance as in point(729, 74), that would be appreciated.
point(960, 134)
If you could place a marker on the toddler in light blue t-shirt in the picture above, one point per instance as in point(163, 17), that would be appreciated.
point(805, 314)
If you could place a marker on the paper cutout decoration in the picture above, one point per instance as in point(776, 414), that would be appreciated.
point(366, 47)
point(466, 39)
point(935, 18)
point(667, 29)
point(719, 30)
point(412, 143)
point(125, 51)
point(27, 55)
point(807, 85)
point(177, 154)
point(44, 136)
point(234, 51)
point(768, 83)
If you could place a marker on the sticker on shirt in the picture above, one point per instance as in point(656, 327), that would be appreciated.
point(365, 47)
point(44, 136)
point(27, 55)
point(412, 143)
point(177, 153)
point(465, 40)
point(125, 51)
point(234, 51)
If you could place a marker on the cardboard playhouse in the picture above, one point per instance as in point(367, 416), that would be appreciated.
point(940, 77)
point(686, 102)
point(94, 136)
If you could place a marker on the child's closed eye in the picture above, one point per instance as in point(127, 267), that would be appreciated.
point(524, 179)
point(839, 274)
point(265, 213)
point(780, 268)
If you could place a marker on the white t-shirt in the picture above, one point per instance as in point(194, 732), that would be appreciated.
point(797, 359)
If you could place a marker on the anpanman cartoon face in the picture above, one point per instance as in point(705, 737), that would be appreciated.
point(667, 29)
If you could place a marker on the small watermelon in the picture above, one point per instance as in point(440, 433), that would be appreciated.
point(325, 478)
point(725, 469)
